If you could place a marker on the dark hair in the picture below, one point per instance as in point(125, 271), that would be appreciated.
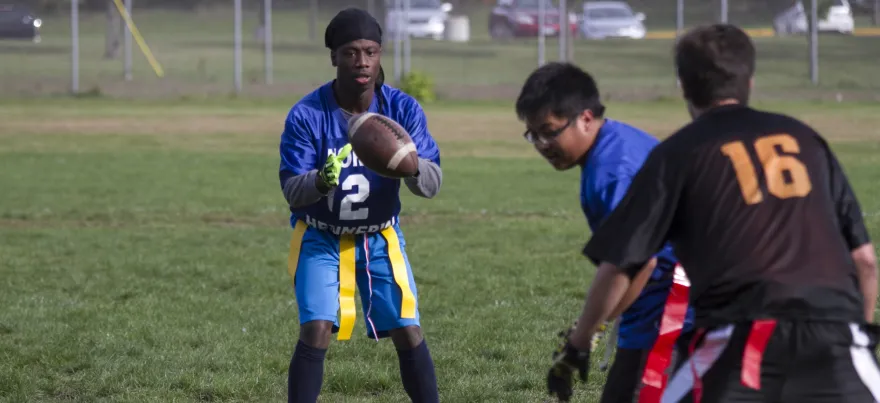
point(352, 24)
point(561, 89)
point(715, 62)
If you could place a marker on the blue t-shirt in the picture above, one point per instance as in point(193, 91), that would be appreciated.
point(611, 164)
point(364, 201)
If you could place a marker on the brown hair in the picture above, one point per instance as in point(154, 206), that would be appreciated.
point(715, 62)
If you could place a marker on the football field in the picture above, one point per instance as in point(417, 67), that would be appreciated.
point(144, 249)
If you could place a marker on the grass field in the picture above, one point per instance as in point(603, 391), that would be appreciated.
point(143, 252)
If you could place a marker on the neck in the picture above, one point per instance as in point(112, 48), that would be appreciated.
point(592, 135)
point(353, 101)
point(697, 112)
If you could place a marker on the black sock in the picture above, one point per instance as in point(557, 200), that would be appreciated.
point(417, 373)
point(306, 374)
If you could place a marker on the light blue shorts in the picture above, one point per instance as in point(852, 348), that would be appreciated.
point(326, 269)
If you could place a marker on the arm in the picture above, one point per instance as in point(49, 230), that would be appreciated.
point(606, 201)
point(854, 232)
point(866, 266)
point(426, 183)
point(300, 182)
point(303, 190)
point(624, 245)
point(635, 288)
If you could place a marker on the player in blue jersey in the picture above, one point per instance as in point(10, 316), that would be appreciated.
point(565, 123)
point(344, 216)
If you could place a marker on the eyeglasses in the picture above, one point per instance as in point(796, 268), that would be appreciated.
point(545, 138)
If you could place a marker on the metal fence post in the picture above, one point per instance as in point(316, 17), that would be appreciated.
point(814, 41)
point(679, 17)
point(407, 39)
point(563, 31)
point(542, 39)
point(237, 46)
point(267, 40)
point(679, 28)
point(398, 65)
point(724, 11)
point(127, 51)
point(74, 46)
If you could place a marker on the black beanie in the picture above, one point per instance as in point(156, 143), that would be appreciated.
point(349, 25)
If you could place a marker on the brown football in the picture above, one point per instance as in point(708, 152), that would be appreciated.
point(383, 145)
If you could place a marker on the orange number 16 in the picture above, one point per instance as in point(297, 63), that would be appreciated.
point(775, 165)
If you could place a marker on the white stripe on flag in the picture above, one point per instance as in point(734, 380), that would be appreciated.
point(864, 361)
point(700, 361)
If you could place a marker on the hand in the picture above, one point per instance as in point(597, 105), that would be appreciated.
point(566, 360)
point(329, 174)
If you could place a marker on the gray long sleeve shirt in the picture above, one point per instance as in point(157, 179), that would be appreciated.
point(301, 190)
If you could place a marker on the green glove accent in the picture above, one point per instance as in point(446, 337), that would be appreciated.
point(330, 172)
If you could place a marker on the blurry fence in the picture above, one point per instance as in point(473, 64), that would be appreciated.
point(194, 52)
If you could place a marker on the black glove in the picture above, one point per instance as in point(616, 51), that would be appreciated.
point(566, 360)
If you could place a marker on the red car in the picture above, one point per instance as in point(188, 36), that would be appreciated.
point(519, 18)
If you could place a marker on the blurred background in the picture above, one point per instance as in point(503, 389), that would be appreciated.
point(456, 49)
point(144, 237)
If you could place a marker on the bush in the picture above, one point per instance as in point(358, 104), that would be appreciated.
point(419, 86)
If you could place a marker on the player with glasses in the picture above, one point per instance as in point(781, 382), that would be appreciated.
point(566, 124)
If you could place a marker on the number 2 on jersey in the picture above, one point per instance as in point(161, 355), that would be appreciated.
point(346, 212)
point(775, 167)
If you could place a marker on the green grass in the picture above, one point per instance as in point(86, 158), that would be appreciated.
point(143, 252)
point(195, 50)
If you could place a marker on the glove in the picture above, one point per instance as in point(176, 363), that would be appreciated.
point(566, 360)
point(329, 174)
point(600, 334)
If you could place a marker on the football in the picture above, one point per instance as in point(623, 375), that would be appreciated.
point(383, 145)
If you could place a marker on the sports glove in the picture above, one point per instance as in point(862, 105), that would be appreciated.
point(329, 174)
point(566, 360)
point(600, 334)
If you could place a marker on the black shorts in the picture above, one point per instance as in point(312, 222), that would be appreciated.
point(798, 362)
point(625, 376)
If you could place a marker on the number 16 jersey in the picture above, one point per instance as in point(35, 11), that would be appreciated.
point(758, 211)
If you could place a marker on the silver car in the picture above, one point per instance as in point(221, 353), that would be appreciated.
point(837, 18)
point(425, 19)
point(611, 19)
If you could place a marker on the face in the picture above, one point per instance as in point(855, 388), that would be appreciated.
point(357, 64)
point(562, 142)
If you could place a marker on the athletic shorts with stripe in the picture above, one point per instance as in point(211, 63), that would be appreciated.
point(326, 269)
point(781, 362)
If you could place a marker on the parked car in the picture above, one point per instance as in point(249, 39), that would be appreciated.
point(427, 18)
point(18, 22)
point(838, 18)
point(519, 18)
point(611, 19)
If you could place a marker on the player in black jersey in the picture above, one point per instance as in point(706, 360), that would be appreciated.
point(763, 219)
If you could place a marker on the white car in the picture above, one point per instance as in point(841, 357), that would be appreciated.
point(793, 20)
point(426, 18)
point(611, 19)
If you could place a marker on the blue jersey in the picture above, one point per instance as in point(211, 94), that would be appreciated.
point(611, 164)
point(364, 201)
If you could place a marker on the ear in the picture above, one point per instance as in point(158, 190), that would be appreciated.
point(587, 116)
point(333, 58)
